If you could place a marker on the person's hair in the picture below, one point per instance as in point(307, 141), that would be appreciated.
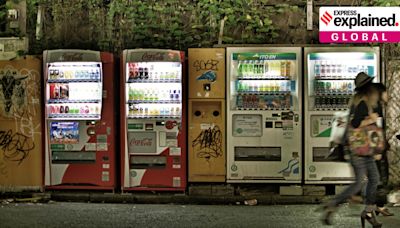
point(364, 93)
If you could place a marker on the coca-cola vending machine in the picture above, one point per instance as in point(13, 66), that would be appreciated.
point(79, 119)
point(153, 121)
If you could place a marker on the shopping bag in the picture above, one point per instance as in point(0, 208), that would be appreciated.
point(366, 141)
point(339, 127)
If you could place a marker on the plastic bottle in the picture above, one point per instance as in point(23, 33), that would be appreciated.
point(317, 69)
point(240, 68)
point(266, 69)
point(283, 69)
point(323, 69)
point(288, 69)
point(239, 101)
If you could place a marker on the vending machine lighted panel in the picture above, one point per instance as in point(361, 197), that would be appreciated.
point(264, 124)
point(153, 126)
point(329, 86)
point(79, 120)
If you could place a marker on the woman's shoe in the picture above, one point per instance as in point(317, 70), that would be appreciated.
point(328, 214)
point(384, 211)
point(370, 218)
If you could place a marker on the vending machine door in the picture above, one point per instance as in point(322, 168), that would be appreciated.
point(330, 74)
point(79, 119)
point(153, 122)
point(264, 115)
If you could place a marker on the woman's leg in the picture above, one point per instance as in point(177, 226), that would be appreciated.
point(373, 181)
point(360, 172)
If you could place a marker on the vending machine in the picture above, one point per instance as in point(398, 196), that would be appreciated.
point(329, 76)
point(153, 122)
point(264, 124)
point(79, 119)
point(206, 115)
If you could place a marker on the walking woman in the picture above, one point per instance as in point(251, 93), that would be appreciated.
point(382, 163)
point(361, 115)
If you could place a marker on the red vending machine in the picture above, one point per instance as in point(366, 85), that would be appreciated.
point(153, 121)
point(79, 120)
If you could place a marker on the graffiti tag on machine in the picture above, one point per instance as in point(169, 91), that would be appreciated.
point(15, 146)
point(11, 86)
point(210, 76)
point(211, 65)
point(209, 143)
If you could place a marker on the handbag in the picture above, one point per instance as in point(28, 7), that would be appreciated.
point(367, 140)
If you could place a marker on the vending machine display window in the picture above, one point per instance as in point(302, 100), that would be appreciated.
point(331, 77)
point(74, 90)
point(264, 81)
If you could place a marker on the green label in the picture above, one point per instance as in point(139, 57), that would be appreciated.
point(136, 126)
point(263, 56)
point(355, 55)
point(57, 146)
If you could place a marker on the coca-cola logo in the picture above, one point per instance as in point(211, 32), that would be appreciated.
point(71, 56)
point(141, 142)
point(158, 56)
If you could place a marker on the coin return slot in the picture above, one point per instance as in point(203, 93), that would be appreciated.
point(278, 124)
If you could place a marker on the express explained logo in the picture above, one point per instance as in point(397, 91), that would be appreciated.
point(359, 24)
point(326, 18)
point(351, 18)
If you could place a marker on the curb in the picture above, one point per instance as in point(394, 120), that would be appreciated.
point(166, 198)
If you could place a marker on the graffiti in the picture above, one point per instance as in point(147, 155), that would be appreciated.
point(3, 168)
point(11, 85)
point(209, 143)
point(211, 64)
point(210, 76)
point(15, 146)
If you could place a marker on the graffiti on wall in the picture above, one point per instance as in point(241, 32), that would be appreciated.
point(11, 85)
point(15, 146)
point(208, 144)
point(19, 114)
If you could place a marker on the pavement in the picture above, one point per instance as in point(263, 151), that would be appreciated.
point(64, 214)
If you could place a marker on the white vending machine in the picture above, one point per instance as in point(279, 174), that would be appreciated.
point(264, 136)
point(329, 86)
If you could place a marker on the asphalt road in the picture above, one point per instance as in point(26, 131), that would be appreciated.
point(130, 215)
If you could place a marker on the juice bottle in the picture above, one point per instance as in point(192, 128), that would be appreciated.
point(288, 69)
point(283, 69)
point(317, 69)
point(266, 69)
point(240, 68)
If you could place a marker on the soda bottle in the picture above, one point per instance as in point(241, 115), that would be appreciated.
point(283, 69)
point(288, 69)
point(260, 69)
point(333, 70)
point(317, 102)
point(266, 69)
point(255, 69)
point(251, 69)
point(240, 69)
point(317, 69)
point(323, 69)
point(239, 102)
point(339, 71)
